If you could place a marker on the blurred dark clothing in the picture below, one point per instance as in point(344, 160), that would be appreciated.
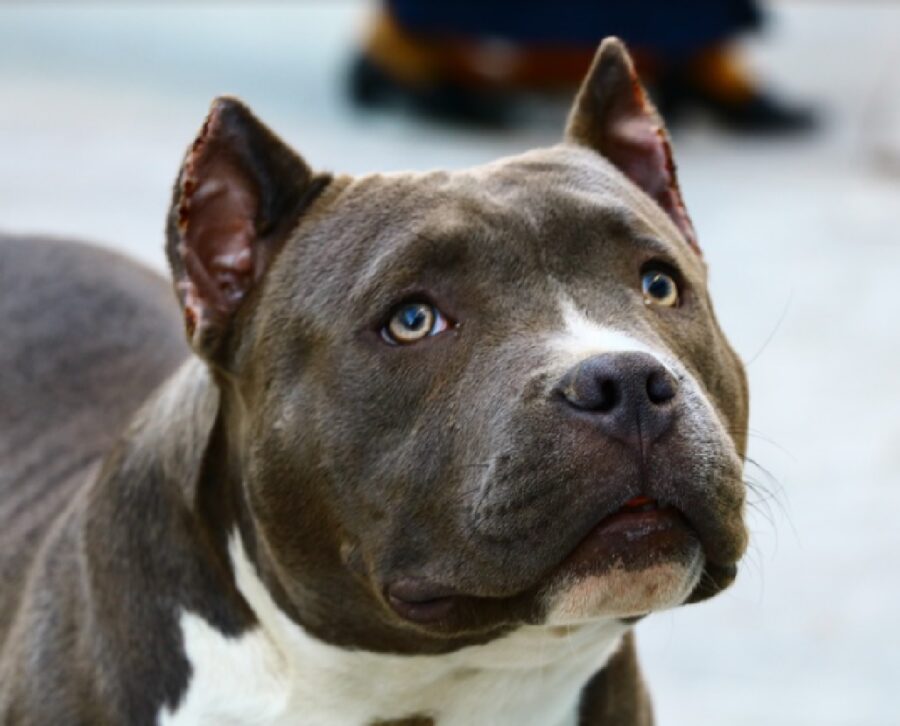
point(465, 59)
point(672, 28)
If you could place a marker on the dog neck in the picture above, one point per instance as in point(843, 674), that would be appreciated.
point(281, 674)
point(176, 424)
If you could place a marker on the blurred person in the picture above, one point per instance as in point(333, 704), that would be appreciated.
point(465, 60)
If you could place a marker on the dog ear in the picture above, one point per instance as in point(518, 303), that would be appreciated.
point(239, 194)
point(613, 116)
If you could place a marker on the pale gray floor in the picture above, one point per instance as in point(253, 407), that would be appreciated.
point(97, 103)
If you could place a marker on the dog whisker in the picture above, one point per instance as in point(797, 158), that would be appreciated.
point(757, 435)
point(774, 332)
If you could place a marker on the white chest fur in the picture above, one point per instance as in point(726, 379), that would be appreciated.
point(278, 675)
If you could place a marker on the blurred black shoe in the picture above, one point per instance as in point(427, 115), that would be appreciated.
point(370, 86)
point(714, 82)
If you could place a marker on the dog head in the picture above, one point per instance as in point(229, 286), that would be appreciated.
point(460, 401)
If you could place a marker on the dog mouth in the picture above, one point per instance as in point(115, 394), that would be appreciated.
point(639, 503)
point(640, 532)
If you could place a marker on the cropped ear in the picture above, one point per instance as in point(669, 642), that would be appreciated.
point(613, 116)
point(239, 194)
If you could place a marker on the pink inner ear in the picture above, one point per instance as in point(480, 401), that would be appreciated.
point(613, 116)
point(639, 146)
point(217, 217)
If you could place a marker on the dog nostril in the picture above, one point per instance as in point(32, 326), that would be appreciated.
point(608, 396)
point(660, 387)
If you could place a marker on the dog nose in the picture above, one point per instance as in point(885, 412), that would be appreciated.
point(631, 396)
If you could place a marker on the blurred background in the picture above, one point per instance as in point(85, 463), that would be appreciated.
point(799, 224)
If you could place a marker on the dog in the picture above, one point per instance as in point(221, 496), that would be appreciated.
point(436, 442)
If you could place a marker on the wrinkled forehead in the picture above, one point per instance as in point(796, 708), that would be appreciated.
point(533, 214)
point(566, 183)
point(535, 187)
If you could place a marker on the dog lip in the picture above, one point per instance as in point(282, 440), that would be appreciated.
point(640, 522)
point(637, 521)
point(421, 601)
point(639, 503)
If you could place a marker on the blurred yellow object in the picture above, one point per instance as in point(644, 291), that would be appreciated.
point(484, 63)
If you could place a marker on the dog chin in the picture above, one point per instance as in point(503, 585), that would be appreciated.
point(624, 593)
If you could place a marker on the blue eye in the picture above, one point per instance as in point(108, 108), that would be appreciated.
point(412, 322)
point(659, 288)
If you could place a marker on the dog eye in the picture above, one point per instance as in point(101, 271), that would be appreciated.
point(411, 322)
point(659, 288)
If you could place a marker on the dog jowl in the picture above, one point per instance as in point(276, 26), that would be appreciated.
point(444, 437)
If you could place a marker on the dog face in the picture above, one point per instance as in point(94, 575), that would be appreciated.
point(466, 400)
